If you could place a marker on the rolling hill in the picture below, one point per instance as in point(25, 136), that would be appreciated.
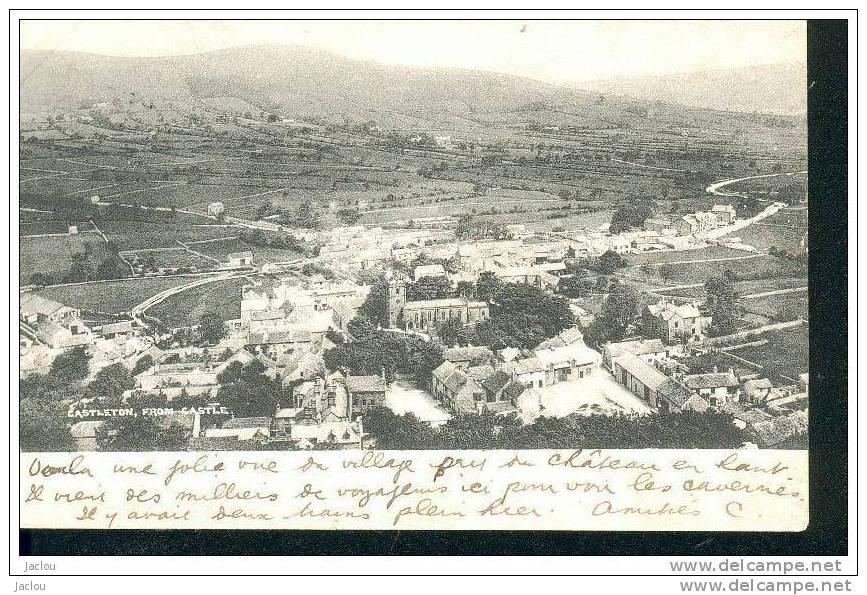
point(299, 80)
point(774, 89)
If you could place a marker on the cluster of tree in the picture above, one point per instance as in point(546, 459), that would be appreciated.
point(373, 312)
point(305, 217)
point(429, 288)
point(520, 316)
point(257, 237)
point(212, 328)
point(316, 268)
point(349, 216)
point(391, 352)
point(576, 286)
point(523, 316)
point(487, 431)
point(84, 266)
point(109, 384)
point(629, 216)
point(141, 433)
point(247, 391)
point(722, 299)
point(618, 313)
point(43, 400)
point(473, 228)
point(801, 258)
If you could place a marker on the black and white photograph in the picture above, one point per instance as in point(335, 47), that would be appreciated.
point(423, 273)
point(282, 247)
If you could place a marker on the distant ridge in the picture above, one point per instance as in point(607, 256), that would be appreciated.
point(298, 79)
point(774, 88)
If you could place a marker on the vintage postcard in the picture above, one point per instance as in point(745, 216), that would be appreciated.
point(413, 274)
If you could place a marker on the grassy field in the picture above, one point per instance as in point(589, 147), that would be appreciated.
point(761, 267)
point(111, 296)
point(173, 259)
point(707, 253)
point(54, 255)
point(186, 308)
point(777, 230)
point(784, 356)
point(779, 307)
point(747, 287)
point(261, 254)
point(136, 235)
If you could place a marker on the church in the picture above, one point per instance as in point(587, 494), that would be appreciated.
point(422, 314)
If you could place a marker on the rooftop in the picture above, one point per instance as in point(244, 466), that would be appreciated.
point(366, 384)
point(712, 380)
point(641, 370)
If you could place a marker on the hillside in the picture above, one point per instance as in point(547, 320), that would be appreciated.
point(773, 89)
point(289, 79)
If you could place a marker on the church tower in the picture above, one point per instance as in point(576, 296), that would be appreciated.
point(396, 301)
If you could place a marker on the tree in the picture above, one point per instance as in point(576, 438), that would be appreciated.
point(454, 332)
point(466, 289)
point(231, 373)
point(334, 336)
point(429, 288)
point(396, 432)
point(375, 306)
point(610, 261)
point(110, 383)
point(43, 427)
point(722, 300)
point(619, 310)
point(487, 286)
point(211, 327)
point(668, 271)
point(141, 433)
point(360, 327)
point(249, 392)
point(423, 357)
point(306, 216)
point(143, 363)
point(72, 364)
point(629, 216)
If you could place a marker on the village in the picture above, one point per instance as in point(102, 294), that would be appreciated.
point(418, 317)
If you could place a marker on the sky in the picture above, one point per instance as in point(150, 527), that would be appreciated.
point(559, 52)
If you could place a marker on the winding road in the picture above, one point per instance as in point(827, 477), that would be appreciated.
point(716, 186)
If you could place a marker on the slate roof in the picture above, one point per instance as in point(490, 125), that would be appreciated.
point(758, 384)
point(30, 303)
point(777, 430)
point(365, 384)
point(449, 375)
point(496, 381)
point(514, 389)
point(117, 327)
point(635, 347)
point(641, 370)
point(666, 310)
point(712, 380)
point(674, 392)
point(247, 422)
point(468, 354)
point(276, 337)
